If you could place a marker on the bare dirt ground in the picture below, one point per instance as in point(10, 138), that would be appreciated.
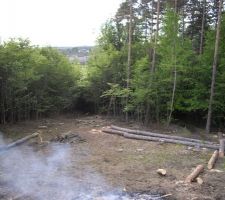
point(131, 164)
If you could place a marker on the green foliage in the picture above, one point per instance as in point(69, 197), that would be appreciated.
point(150, 94)
point(34, 81)
point(37, 81)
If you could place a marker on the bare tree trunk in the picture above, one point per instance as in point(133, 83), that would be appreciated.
point(129, 54)
point(175, 6)
point(156, 37)
point(202, 28)
point(152, 19)
point(175, 73)
point(183, 23)
point(212, 90)
point(173, 95)
point(109, 106)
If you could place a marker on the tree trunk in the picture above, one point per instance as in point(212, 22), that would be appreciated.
point(175, 6)
point(129, 54)
point(183, 24)
point(212, 90)
point(175, 73)
point(156, 37)
point(173, 95)
point(221, 150)
point(203, 27)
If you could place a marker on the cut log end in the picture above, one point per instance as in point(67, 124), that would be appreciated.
point(161, 172)
point(199, 180)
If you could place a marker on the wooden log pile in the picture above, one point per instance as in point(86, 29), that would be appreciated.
point(157, 137)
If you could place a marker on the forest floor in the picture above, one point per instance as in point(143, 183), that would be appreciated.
point(131, 164)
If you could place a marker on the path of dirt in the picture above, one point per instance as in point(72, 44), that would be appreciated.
point(131, 164)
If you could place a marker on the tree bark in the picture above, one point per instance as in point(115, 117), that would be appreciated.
point(215, 60)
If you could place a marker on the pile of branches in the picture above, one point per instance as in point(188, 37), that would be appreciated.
point(157, 137)
point(68, 137)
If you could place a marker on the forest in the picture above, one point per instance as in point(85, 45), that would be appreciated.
point(154, 62)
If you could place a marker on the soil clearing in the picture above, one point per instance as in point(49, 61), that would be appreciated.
point(127, 164)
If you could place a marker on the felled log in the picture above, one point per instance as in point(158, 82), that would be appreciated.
point(19, 142)
point(192, 177)
point(117, 132)
point(147, 133)
point(213, 159)
point(159, 139)
point(221, 150)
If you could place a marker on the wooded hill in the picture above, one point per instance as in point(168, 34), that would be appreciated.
point(163, 61)
point(155, 61)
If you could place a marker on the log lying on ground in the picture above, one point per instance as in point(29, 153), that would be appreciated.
point(19, 142)
point(147, 133)
point(199, 169)
point(221, 150)
point(213, 159)
point(108, 130)
point(159, 139)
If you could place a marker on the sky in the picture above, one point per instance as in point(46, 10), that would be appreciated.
point(55, 22)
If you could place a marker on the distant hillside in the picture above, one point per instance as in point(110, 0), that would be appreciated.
point(77, 53)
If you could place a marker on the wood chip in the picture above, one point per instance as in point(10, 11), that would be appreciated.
point(161, 172)
point(199, 181)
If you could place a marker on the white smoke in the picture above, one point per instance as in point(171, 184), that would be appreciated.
point(48, 174)
point(55, 172)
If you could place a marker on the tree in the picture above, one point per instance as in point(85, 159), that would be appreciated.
point(214, 67)
point(129, 52)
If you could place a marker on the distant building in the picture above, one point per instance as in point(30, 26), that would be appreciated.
point(81, 54)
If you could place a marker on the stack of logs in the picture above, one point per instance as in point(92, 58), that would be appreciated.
point(156, 137)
